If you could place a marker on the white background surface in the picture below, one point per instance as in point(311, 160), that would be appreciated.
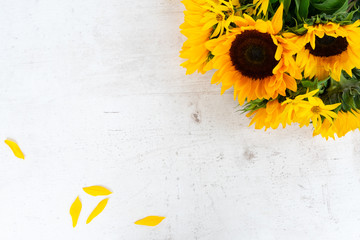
point(93, 93)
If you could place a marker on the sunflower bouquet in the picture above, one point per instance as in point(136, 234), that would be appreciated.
point(288, 61)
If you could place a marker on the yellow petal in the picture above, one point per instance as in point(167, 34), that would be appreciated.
point(97, 191)
point(262, 26)
point(150, 221)
point(15, 148)
point(278, 52)
point(98, 209)
point(277, 20)
point(75, 210)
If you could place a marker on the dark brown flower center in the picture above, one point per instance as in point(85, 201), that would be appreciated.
point(328, 46)
point(253, 54)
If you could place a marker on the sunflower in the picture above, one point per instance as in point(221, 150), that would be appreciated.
point(327, 49)
point(344, 123)
point(219, 16)
point(254, 60)
point(262, 5)
point(204, 19)
point(288, 116)
point(194, 48)
point(267, 117)
point(297, 110)
point(314, 110)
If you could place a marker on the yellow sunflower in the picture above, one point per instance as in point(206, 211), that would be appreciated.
point(204, 19)
point(261, 5)
point(267, 117)
point(194, 48)
point(327, 49)
point(313, 110)
point(288, 116)
point(220, 16)
point(254, 60)
point(302, 111)
point(344, 123)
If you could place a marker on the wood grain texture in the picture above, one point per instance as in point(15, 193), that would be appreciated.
point(94, 92)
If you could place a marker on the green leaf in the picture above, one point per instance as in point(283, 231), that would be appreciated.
point(350, 15)
point(286, 5)
point(302, 8)
point(328, 6)
point(356, 16)
point(357, 101)
point(356, 72)
point(308, 84)
point(343, 8)
point(346, 100)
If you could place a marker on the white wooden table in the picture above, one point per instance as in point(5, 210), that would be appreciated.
point(93, 93)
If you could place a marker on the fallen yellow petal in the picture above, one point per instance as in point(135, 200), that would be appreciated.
point(97, 191)
point(15, 148)
point(75, 210)
point(98, 209)
point(150, 221)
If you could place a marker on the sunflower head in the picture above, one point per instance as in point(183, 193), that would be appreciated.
point(327, 46)
point(253, 54)
point(254, 59)
point(328, 49)
point(305, 108)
